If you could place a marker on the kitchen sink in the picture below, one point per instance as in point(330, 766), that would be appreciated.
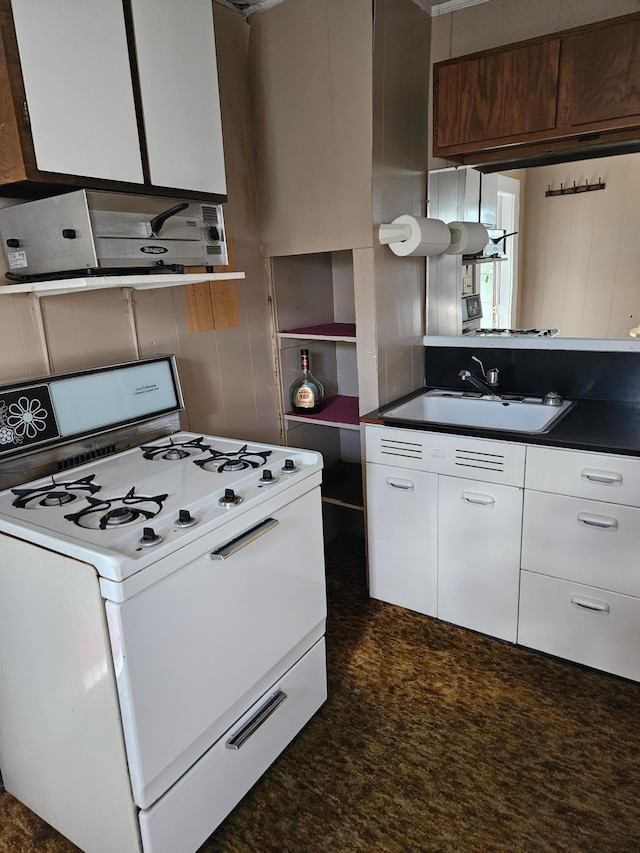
point(459, 408)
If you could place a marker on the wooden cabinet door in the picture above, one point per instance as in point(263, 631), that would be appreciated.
point(600, 77)
point(494, 96)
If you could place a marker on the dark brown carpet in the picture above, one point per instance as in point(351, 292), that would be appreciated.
point(433, 739)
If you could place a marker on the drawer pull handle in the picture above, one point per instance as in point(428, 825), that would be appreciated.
point(244, 539)
point(253, 723)
point(590, 603)
point(600, 521)
point(405, 485)
point(475, 498)
point(606, 478)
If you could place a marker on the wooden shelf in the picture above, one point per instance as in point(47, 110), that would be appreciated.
point(322, 332)
point(339, 411)
point(342, 485)
point(137, 282)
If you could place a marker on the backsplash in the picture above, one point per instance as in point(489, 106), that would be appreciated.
point(578, 374)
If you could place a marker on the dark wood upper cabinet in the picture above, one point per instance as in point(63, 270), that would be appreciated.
point(572, 93)
point(497, 95)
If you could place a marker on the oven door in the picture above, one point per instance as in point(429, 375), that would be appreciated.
point(193, 651)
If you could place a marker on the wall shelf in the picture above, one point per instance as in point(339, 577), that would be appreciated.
point(136, 282)
point(338, 411)
point(323, 332)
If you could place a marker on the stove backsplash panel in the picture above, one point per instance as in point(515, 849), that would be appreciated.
point(582, 374)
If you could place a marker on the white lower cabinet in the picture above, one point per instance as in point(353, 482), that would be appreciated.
point(479, 555)
point(444, 545)
point(580, 584)
point(581, 623)
point(542, 553)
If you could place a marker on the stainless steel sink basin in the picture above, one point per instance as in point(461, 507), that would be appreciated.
point(456, 408)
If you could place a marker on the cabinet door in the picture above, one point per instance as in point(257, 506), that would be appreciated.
point(402, 512)
point(600, 74)
point(496, 95)
point(75, 66)
point(176, 55)
point(479, 555)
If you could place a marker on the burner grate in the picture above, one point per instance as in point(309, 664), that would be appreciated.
point(107, 513)
point(229, 461)
point(175, 450)
point(55, 493)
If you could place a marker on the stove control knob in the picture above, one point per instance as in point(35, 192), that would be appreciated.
point(267, 478)
point(149, 537)
point(289, 466)
point(229, 499)
point(185, 519)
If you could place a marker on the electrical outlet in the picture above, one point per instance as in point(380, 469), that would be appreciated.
point(467, 284)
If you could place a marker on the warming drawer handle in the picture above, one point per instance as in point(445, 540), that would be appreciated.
point(607, 478)
point(405, 485)
point(590, 603)
point(601, 521)
point(476, 498)
point(253, 723)
point(239, 542)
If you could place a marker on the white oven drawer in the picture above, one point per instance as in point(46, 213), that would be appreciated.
point(190, 811)
point(580, 623)
point(193, 651)
point(597, 476)
point(584, 541)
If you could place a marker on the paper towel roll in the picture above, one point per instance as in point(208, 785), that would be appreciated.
point(415, 235)
point(467, 238)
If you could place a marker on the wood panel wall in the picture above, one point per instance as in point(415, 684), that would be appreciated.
point(227, 374)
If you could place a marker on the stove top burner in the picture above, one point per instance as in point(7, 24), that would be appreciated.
point(117, 511)
point(533, 333)
point(233, 460)
point(174, 450)
point(54, 494)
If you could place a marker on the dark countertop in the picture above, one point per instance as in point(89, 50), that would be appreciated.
point(593, 425)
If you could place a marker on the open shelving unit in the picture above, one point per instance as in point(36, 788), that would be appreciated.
point(314, 309)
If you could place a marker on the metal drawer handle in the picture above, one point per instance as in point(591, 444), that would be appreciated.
point(607, 478)
point(590, 603)
point(405, 485)
point(253, 723)
point(476, 498)
point(601, 521)
point(239, 542)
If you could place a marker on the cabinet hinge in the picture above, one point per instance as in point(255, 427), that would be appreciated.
point(25, 116)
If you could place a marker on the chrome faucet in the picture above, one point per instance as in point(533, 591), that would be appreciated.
point(490, 386)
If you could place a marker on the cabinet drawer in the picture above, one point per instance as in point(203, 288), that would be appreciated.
point(599, 476)
point(588, 542)
point(181, 820)
point(580, 623)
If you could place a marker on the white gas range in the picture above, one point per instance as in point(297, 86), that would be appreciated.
point(162, 609)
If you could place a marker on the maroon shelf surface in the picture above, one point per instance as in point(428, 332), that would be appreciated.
point(336, 410)
point(326, 330)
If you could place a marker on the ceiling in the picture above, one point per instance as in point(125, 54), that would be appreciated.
point(248, 7)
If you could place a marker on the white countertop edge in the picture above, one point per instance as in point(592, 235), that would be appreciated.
point(579, 344)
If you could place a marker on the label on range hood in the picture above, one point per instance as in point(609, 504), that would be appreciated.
point(44, 412)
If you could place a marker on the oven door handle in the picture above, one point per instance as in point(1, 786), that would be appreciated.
point(246, 538)
point(253, 723)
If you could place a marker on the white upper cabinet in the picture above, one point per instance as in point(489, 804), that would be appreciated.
point(77, 78)
point(175, 47)
point(114, 92)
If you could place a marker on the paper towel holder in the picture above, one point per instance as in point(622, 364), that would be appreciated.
point(409, 235)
